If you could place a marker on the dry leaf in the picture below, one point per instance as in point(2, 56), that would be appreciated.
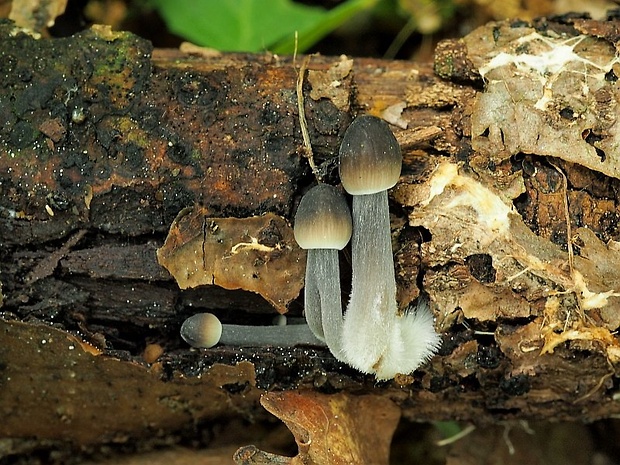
point(330, 429)
point(257, 254)
point(546, 95)
point(329, 84)
point(467, 218)
point(37, 15)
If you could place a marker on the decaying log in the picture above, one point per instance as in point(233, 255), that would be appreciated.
point(506, 215)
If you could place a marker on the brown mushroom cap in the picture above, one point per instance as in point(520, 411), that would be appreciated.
point(323, 219)
point(370, 157)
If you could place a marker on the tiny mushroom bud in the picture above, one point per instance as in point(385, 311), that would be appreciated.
point(376, 337)
point(323, 226)
point(205, 330)
point(202, 330)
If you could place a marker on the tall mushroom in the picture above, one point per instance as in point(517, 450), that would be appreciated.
point(376, 337)
point(323, 226)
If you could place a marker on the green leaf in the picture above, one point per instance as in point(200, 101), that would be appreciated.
point(332, 19)
point(254, 25)
point(237, 25)
point(448, 429)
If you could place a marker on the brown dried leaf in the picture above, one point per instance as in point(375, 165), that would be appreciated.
point(329, 84)
point(257, 254)
point(37, 15)
point(466, 217)
point(330, 429)
point(546, 95)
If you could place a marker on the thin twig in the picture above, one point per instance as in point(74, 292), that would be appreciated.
point(569, 233)
point(295, 49)
point(569, 238)
point(302, 117)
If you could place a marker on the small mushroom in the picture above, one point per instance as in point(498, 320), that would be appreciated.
point(377, 338)
point(323, 226)
point(205, 330)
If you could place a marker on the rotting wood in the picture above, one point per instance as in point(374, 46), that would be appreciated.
point(102, 144)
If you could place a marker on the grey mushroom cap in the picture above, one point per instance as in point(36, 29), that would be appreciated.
point(323, 219)
point(370, 156)
point(202, 330)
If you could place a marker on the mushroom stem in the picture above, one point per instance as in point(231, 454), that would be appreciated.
point(312, 296)
point(372, 241)
point(323, 226)
point(376, 337)
point(277, 336)
point(322, 272)
point(372, 306)
point(205, 330)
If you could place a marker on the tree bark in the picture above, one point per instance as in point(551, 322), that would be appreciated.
point(514, 236)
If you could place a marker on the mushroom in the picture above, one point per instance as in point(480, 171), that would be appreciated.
point(376, 337)
point(323, 226)
point(205, 330)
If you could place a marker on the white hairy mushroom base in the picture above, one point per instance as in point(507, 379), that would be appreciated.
point(376, 338)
